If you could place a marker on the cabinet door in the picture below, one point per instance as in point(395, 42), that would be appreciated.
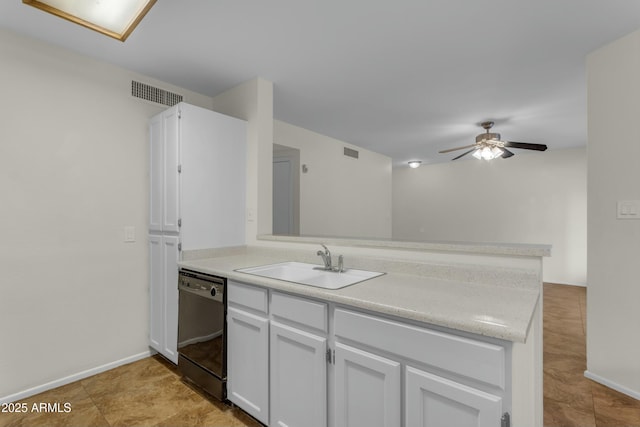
point(171, 154)
point(248, 362)
point(367, 389)
point(156, 174)
point(156, 293)
point(298, 377)
point(170, 254)
point(433, 401)
point(163, 292)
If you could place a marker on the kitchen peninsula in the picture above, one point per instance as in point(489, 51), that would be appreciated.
point(453, 326)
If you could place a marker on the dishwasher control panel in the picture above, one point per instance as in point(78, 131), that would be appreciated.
point(202, 284)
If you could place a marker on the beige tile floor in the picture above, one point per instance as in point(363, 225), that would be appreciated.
point(144, 393)
point(570, 399)
point(150, 393)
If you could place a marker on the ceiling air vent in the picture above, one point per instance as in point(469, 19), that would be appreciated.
point(351, 153)
point(154, 94)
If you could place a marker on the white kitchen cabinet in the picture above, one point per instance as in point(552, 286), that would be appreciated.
point(163, 271)
point(248, 362)
point(171, 176)
point(298, 361)
point(434, 401)
point(298, 377)
point(156, 293)
point(449, 380)
point(196, 201)
point(375, 371)
point(170, 251)
point(156, 173)
point(248, 349)
point(197, 176)
point(367, 389)
point(276, 362)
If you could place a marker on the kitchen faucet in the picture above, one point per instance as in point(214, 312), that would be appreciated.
point(326, 258)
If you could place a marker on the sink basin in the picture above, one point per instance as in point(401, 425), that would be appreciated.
point(310, 274)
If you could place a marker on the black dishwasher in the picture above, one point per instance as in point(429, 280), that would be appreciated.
point(202, 331)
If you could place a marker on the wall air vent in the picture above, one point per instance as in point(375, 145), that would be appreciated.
point(351, 153)
point(154, 94)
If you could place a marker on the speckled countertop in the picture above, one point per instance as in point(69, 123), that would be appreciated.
point(503, 310)
point(515, 249)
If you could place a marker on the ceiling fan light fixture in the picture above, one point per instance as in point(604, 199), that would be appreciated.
point(114, 18)
point(488, 146)
point(487, 153)
point(415, 164)
point(497, 151)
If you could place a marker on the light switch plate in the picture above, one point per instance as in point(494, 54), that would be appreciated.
point(628, 209)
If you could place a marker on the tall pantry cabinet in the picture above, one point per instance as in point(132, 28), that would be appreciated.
point(197, 201)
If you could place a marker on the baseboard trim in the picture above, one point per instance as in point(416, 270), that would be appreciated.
point(72, 378)
point(613, 385)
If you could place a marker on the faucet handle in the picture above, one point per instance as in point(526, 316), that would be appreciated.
point(326, 257)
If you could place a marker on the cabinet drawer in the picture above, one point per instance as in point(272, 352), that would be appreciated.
point(470, 358)
point(247, 296)
point(299, 310)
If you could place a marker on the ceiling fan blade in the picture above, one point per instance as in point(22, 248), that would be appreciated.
point(525, 145)
point(506, 153)
point(458, 148)
point(464, 154)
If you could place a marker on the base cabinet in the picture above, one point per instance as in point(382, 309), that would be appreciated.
point(163, 290)
point(298, 377)
point(367, 391)
point(297, 362)
point(248, 362)
point(433, 401)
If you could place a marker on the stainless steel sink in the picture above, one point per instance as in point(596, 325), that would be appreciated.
point(311, 274)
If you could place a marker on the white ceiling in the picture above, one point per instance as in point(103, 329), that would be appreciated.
point(405, 78)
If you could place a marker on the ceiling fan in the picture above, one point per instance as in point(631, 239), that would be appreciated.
point(489, 146)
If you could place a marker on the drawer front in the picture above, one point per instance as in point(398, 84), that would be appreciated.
point(300, 310)
point(463, 356)
point(247, 296)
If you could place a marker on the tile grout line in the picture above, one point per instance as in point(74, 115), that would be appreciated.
point(95, 404)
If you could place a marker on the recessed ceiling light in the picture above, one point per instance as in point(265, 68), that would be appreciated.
point(114, 18)
point(414, 163)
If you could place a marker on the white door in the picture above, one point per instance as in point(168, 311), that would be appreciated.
point(248, 362)
point(156, 293)
point(282, 197)
point(433, 401)
point(170, 254)
point(171, 131)
point(298, 377)
point(367, 389)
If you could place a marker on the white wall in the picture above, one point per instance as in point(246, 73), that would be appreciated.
point(339, 195)
point(529, 198)
point(73, 173)
point(613, 300)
